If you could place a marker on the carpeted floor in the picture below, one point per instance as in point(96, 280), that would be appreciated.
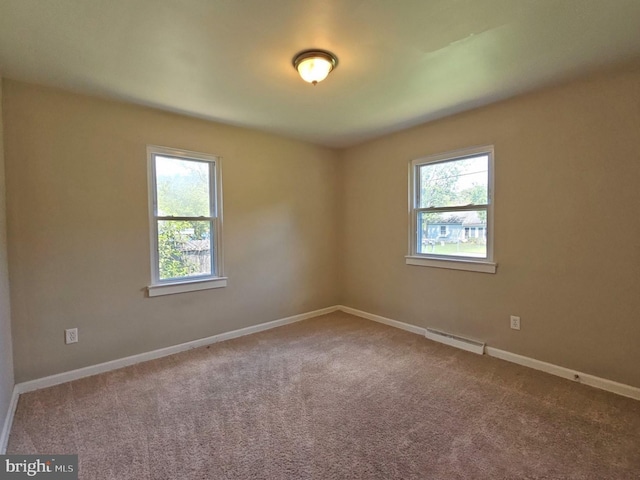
point(336, 397)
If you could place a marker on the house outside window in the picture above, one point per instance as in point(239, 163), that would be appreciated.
point(185, 214)
point(451, 210)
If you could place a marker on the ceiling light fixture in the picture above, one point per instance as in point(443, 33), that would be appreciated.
point(314, 65)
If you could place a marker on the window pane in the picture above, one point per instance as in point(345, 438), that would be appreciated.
point(454, 183)
point(184, 249)
point(182, 187)
point(458, 234)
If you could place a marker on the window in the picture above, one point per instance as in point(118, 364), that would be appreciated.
point(185, 210)
point(451, 210)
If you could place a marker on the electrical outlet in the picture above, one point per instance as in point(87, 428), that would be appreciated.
point(515, 322)
point(70, 335)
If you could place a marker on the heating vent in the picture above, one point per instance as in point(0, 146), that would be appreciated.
point(455, 341)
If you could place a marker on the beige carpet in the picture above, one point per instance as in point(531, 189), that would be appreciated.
point(336, 397)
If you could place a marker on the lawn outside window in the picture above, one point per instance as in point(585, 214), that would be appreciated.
point(185, 214)
point(451, 210)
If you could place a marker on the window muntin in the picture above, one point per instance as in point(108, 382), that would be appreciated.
point(450, 205)
point(185, 211)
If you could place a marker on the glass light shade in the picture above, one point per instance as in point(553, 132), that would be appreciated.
point(314, 65)
point(314, 69)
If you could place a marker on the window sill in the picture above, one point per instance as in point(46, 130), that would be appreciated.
point(453, 264)
point(181, 287)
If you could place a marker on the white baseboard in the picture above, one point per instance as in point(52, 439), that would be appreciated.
point(387, 321)
point(162, 352)
point(585, 378)
point(8, 421)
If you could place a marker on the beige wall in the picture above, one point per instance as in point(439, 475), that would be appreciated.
point(567, 228)
point(78, 229)
point(6, 356)
point(307, 227)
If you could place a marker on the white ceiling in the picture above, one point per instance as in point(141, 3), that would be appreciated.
point(402, 62)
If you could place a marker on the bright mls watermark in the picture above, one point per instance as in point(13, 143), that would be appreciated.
point(50, 467)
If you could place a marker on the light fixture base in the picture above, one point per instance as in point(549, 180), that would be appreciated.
point(314, 65)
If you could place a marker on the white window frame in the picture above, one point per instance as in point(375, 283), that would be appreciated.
point(484, 265)
point(187, 284)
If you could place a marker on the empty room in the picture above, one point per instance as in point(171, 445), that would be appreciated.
point(339, 239)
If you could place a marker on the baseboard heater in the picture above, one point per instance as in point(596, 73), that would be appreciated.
point(455, 341)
